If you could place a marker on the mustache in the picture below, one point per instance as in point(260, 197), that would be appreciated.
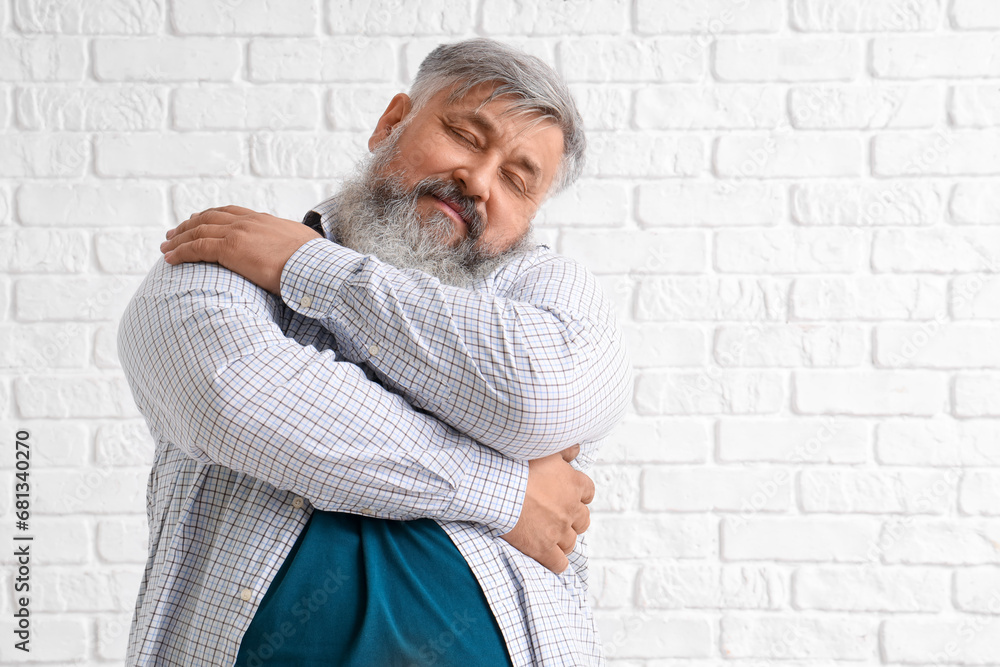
point(449, 191)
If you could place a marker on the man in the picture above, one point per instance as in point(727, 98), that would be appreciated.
point(364, 423)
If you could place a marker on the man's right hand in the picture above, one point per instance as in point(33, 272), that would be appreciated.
point(554, 510)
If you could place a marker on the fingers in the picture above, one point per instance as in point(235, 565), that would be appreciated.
point(581, 521)
point(588, 488)
point(570, 453)
point(555, 561)
point(207, 217)
point(200, 244)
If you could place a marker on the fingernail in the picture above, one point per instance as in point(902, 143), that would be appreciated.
point(163, 245)
point(170, 233)
point(169, 256)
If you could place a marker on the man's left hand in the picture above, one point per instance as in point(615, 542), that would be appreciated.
point(254, 245)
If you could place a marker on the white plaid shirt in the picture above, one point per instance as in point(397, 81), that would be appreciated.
point(363, 389)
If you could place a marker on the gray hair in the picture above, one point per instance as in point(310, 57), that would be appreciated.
point(535, 87)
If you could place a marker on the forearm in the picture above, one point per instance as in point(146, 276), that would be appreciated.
point(212, 372)
point(528, 373)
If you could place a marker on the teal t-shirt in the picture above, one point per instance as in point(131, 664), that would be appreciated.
point(358, 591)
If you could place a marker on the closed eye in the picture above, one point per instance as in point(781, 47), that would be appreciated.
point(463, 136)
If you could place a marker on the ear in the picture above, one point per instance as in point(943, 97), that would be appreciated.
point(398, 107)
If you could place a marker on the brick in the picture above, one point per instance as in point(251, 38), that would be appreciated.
point(245, 17)
point(975, 297)
point(638, 154)
point(262, 108)
point(652, 345)
point(91, 490)
point(865, 106)
point(122, 540)
point(602, 107)
point(708, 17)
point(858, 203)
point(73, 298)
point(61, 541)
point(587, 203)
point(357, 108)
point(166, 59)
point(709, 204)
point(789, 637)
point(177, 155)
point(974, 106)
point(36, 347)
point(947, 541)
point(112, 636)
point(975, 14)
point(867, 298)
point(709, 392)
point(936, 345)
point(698, 106)
point(787, 59)
point(970, 641)
point(977, 589)
point(106, 347)
point(38, 59)
point(937, 250)
point(694, 586)
point(716, 489)
point(796, 156)
point(89, 17)
point(6, 202)
point(88, 590)
point(53, 638)
point(789, 345)
point(388, 17)
point(977, 395)
point(935, 56)
point(304, 155)
point(789, 251)
point(975, 203)
point(653, 251)
point(620, 289)
point(82, 397)
point(878, 492)
point(43, 251)
point(865, 16)
point(653, 536)
point(620, 59)
point(126, 251)
point(111, 108)
point(980, 493)
point(619, 488)
point(800, 440)
point(288, 199)
point(940, 153)
point(123, 444)
point(939, 442)
point(66, 443)
point(553, 17)
point(870, 392)
point(639, 440)
point(337, 59)
point(88, 205)
point(43, 155)
point(871, 588)
point(5, 108)
point(705, 298)
point(788, 538)
point(610, 583)
point(649, 634)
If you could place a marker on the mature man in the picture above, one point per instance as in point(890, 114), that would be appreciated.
point(364, 423)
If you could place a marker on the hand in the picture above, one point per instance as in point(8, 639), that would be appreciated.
point(254, 245)
point(554, 510)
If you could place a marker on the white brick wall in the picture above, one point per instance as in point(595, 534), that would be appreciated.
point(794, 203)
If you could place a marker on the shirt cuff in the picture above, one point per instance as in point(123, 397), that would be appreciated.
point(314, 274)
point(496, 493)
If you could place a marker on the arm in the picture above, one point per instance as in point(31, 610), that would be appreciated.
point(528, 373)
point(212, 372)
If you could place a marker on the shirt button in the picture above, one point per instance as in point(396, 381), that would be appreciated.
point(306, 301)
point(246, 594)
point(373, 350)
point(297, 503)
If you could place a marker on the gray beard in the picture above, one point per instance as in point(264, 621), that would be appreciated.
point(376, 214)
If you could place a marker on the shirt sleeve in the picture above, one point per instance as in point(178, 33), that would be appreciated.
point(212, 372)
point(528, 369)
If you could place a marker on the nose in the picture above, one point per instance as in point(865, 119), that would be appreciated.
point(475, 177)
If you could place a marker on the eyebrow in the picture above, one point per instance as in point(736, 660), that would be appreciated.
point(487, 126)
